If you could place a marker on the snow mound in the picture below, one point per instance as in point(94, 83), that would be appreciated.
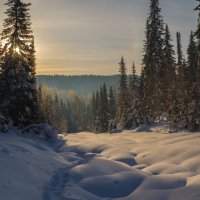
point(134, 165)
point(116, 185)
point(126, 166)
point(98, 167)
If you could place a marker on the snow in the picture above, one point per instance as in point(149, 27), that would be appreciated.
point(130, 165)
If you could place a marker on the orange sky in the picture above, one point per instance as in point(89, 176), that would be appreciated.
point(90, 36)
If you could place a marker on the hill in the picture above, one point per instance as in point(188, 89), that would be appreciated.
point(83, 85)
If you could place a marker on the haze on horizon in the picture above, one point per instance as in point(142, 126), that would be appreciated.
point(76, 37)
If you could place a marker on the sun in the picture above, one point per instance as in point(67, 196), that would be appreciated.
point(17, 50)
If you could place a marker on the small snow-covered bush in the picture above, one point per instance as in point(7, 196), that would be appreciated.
point(120, 127)
point(143, 128)
point(41, 130)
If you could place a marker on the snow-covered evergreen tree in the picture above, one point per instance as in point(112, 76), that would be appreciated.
point(112, 110)
point(191, 82)
point(132, 85)
point(180, 58)
point(103, 110)
point(141, 84)
point(169, 78)
point(183, 96)
point(153, 63)
point(122, 101)
point(134, 117)
point(97, 113)
point(192, 59)
point(111, 104)
point(93, 112)
point(195, 110)
point(18, 81)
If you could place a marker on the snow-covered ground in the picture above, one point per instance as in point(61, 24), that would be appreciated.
point(127, 166)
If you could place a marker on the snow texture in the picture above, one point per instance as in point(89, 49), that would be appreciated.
point(131, 165)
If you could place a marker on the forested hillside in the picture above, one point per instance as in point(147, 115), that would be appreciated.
point(83, 85)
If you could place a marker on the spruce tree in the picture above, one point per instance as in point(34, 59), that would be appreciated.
point(111, 109)
point(192, 59)
point(141, 83)
point(18, 82)
point(134, 114)
point(180, 57)
point(103, 109)
point(132, 84)
point(153, 63)
point(192, 63)
point(97, 117)
point(169, 63)
point(93, 112)
point(196, 94)
point(169, 78)
point(111, 104)
point(122, 95)
point(182, 91)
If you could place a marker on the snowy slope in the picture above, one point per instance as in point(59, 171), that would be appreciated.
point(126, 166)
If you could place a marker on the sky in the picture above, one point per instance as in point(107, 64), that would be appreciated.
point(74, 37)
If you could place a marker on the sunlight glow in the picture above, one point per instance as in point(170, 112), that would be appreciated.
point(17, 50)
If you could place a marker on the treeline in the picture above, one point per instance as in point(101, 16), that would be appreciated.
point(82, 84)
point(114, 111)
point(103, 110)
point(168, 89)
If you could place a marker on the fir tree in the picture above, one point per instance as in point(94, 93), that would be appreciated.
point(103, 109)
point(112, 110)
point(192, 59)
point(123, 94)
point(180, 58)
point(192, 64)
point(111, 104)
point(141, 83)
point(132, 84)
point(134, 115)
point(195, 104)
point(153, 63)
point(97, 117)
point(93, 112)
point(182, 92)
point(18, 81)
point(169, 77)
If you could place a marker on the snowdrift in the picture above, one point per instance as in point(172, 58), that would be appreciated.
point(126, 166)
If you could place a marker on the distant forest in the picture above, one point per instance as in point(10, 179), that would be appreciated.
point(66, 101)
point(82, 85)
